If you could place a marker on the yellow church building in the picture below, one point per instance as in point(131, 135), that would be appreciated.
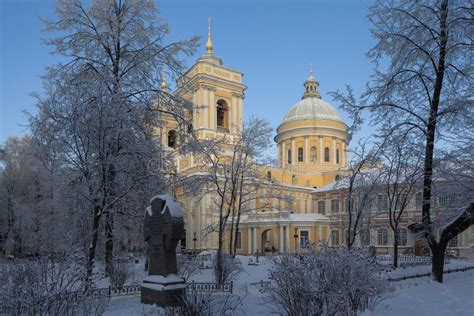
point(312, 141)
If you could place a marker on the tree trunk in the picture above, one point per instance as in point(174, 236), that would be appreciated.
point(395, 249)
point(437, 262)
point(95, 235)
point(109, 242)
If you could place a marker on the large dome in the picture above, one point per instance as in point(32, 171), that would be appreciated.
point(312, 108)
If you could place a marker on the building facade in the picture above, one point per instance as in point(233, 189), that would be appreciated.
point(312, 142)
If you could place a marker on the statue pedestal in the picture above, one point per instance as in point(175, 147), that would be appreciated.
point(163, 290)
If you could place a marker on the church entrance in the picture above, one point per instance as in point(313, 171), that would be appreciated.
point(267, 245)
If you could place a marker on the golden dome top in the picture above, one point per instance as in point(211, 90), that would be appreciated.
point(209, 45)
point(164, 85)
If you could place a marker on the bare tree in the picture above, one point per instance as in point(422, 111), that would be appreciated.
point(358, 187)
point(233, 179)
point(400, 180)
point(99, 107)
point(422, 85)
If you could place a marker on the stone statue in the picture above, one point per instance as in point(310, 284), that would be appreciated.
point(163, 227)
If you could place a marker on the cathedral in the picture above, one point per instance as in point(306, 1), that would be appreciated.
point(312, 141)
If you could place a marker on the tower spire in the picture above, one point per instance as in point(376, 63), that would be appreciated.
point(311, 71)
point(209, 45)
point(164, 85)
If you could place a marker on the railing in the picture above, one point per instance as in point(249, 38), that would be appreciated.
point(407, 260)
point(210, 287)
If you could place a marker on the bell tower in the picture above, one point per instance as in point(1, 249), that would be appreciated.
point(216, 92)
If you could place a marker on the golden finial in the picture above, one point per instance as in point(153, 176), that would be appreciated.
point(164, 85)
point(209, 46)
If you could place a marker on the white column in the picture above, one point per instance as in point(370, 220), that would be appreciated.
point(320, 232)
point(334, 150)
point(205, 106)
point(195, 111)
point(306, 159)
point(255, 239)
point(212, 109)
point(233, 116)
point(293, 151)
point(343, 158)
point(287, 238)
point(249, 240)
point(280, 239)
point(321, 150)
point(239, 117)
point(303, 206)
point(283, 155)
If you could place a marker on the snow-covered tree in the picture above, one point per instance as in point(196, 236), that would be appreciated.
point(422, 86)
point(400, 181)
point(99, 107)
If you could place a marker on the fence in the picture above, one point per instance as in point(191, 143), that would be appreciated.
point(407, 260)
point(210, 287)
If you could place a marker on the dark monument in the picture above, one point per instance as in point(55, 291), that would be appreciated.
point(163, 228)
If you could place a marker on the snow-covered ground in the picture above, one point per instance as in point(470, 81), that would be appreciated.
point(422, 296)
point(419, 296)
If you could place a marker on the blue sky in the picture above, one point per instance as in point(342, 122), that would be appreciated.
point(271, 42)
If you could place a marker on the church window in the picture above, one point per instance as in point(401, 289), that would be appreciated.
point(300, 154)
point(239, 240)
point(382, 237)
point(289, 156)
point(313, 153)
point(322, 207)
point(337, 155)
point(335, 237)
point(326, 154)
point(382, 202)
point(453, 242)
point(172, 135)
point(269, 176)
point(222, 114)
point(402, 237)
point(364, 236)
point(334, 206)
point(419, 200)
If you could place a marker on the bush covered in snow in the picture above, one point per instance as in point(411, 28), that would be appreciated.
point(329, 282)
point(120, 272)
point(229, 268)
point(46, 286)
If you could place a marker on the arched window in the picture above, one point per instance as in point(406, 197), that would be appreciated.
point(334, 237)
point(382, 237)
point(300, 154)
point(419, 200)
point(313, 153)
point(222, 114)
point(453, 242)
point(289, 156)
point(402, 237)
point(337, 156)
point(334, 206)
point(326, 154)
point(322, 207)
point(269, 176)
point(364, 236)
point(172, 136)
